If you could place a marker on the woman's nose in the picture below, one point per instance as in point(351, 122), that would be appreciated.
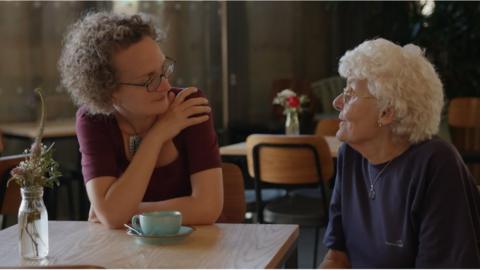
point(164, 86)
point(338, 103)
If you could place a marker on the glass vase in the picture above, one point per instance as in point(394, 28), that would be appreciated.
point(33, 224)
point(292, 125)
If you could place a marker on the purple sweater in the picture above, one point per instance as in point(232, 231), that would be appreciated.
point(426, 213)
point(103, 154)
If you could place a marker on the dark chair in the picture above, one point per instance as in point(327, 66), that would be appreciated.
point(291, 162)
point(10, 197)
point(464, 125)
point(233, 195)
point(325, 90)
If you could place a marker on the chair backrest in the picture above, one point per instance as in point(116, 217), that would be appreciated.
point(9, 196)
point(326, 90)
point(464, 125)
point(327, 127)
point(289, 159)
point(234, 206)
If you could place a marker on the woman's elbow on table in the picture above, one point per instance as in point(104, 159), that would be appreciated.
point(208, 190)
point(106, 218)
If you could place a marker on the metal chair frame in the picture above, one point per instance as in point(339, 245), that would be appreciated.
point(258, 182)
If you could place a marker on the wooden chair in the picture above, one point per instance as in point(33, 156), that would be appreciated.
point(234, 206)
point(291, 161)
point(327, 127)
point(10, 197)
point(464, 125)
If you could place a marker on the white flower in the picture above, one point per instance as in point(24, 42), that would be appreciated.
point(287, 93)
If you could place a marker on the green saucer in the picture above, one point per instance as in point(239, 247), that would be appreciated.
point(162, 239)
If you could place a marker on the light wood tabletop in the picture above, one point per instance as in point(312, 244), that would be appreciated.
point(240, 149)
point(53, 129)
point(214, 246)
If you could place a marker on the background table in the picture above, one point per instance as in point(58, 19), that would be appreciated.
point(214, 246)
point(240, 149)
point(53, 129)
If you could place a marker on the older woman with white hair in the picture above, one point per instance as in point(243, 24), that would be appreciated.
point(403, 197)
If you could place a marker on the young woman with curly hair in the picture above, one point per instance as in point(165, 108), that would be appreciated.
point(145, 145)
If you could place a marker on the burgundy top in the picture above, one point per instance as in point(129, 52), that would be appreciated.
point(101, 146)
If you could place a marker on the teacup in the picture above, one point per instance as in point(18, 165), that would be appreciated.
point(158, 223)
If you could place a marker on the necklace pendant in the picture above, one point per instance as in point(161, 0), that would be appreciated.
point(371, 193)
point(133, 144)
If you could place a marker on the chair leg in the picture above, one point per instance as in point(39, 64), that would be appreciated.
point(71, 206)
point(4, 222)
point(315, 247)
point(84, 202)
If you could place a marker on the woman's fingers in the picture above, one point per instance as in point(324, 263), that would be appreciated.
point(193, 102)
point(182, 95)
point(171, 97)
point(197, 120)
point(197, 110)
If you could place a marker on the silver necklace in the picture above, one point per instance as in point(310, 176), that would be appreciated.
point(371, 192)
point(133, 140)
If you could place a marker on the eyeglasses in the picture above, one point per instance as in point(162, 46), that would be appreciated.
point(152, 83)
point(348, 94)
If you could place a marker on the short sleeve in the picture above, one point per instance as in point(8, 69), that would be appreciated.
point(201, 144)
point(448, 215)
point(96, 147)
point(334, 236)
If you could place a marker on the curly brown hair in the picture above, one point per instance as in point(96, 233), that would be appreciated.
point(85, 62)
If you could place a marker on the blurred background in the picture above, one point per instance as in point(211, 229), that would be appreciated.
point(241, 53)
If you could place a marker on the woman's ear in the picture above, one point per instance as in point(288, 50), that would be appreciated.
point(387, 116)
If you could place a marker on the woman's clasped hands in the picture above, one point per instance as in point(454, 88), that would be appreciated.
point(181, 113)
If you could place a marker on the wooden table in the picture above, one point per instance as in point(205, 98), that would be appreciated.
point(214, 246)
point(53, 129)
point(240, 149)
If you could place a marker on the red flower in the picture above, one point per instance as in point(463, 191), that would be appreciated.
point(293, 102)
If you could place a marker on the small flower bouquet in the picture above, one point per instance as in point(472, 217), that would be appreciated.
point(39, 170)
point(290, 101)
point(292, 106)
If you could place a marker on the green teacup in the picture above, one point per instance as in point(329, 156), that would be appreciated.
point(158, 223)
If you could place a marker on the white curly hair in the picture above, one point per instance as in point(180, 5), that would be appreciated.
point(401, 78)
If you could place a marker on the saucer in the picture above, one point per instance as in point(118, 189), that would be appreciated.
point(162, 239)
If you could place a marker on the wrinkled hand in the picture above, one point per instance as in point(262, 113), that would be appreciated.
point(180, 113)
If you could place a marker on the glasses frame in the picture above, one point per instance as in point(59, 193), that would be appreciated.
point(152, 83)
point(348, 94)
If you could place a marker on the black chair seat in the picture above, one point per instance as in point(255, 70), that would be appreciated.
point(294, 209)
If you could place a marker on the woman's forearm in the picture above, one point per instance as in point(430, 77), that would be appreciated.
point(120, 200)
point(203, 206)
